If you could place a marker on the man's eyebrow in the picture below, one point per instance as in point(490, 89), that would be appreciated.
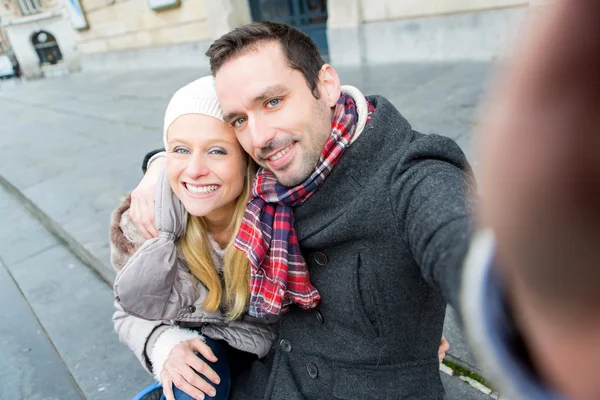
point(230, 116)
point(268, 92)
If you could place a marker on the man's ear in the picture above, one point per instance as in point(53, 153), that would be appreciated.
point(329, 85)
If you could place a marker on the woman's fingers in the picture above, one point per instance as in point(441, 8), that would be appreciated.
point(186, 380)
point(183, 366)
point(203, 349)
point(167, 386)
point(202, 368)
point(196, 381)
point(182, 384)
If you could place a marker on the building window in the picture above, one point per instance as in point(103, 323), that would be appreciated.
point(29, 7)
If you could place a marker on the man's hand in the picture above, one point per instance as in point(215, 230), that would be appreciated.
point(444, 346)
point(141, 211)
point(541, 193)
point(181, 367)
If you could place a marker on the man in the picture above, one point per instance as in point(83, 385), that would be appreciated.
point(383, 237)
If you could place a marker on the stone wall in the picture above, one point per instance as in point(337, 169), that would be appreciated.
point(131, 24)
point(389, 31)
point(385, 10)
point(9, 9)
point(127, 34)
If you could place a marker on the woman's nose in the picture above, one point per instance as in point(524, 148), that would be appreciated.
point(197, 167)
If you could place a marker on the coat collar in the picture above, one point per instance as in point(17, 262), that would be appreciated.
point(349, 177)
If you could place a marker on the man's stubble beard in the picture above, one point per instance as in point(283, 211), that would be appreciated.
point(308, 163)
point(311, 157)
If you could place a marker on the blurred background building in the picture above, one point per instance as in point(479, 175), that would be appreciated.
point(37, 34)
point(54, 37)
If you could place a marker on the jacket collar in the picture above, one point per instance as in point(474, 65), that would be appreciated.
point(352, 173)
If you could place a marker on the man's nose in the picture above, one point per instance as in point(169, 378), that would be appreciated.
point(260, 133)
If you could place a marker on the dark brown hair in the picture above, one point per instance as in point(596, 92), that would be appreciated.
point(299, 49)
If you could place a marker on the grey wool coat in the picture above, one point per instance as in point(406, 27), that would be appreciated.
point(384, 238)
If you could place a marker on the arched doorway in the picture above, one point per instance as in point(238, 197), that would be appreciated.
point(46, 47)
point(309, 16)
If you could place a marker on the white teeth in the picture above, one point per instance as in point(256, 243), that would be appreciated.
point(201, 189)
point(281, 153)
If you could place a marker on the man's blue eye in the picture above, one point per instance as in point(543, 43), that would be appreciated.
point(238, 122)
point(273, 103)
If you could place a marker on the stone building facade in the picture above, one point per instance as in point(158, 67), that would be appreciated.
point(131, 34)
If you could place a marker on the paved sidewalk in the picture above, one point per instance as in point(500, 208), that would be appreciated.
point(56, 338)
point(71, 147)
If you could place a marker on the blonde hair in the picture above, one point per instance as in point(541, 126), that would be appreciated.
point(196, 250)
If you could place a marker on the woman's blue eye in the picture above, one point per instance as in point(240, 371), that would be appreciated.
point(181, 150)
point(273, 103)
point(217, 151)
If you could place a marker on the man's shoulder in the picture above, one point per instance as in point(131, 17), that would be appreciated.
point(389, 131)
point(386, 129)
point(384, 110)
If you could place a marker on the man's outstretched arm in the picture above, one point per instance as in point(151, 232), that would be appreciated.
point(433, 191)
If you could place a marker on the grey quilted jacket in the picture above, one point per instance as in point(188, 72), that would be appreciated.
point(155, 289)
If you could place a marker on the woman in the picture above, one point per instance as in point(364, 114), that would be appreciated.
point(181, 298)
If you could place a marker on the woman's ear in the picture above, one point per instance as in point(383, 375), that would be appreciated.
point(329, 85)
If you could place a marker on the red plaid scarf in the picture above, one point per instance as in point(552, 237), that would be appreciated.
point(278, 273)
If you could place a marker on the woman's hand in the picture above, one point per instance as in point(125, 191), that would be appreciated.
point(183, 366)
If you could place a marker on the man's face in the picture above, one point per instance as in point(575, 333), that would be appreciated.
point(275, 116)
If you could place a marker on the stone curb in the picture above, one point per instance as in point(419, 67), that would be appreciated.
point(462, 364)
point(70, 242)
point(471, 382)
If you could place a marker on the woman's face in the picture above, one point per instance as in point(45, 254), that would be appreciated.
point(206, 166)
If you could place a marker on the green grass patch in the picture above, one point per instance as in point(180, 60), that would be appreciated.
point(458, 370)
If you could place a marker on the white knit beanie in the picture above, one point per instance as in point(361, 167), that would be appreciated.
point(198, 97)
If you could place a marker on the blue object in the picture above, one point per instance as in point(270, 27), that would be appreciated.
point(152, 392)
